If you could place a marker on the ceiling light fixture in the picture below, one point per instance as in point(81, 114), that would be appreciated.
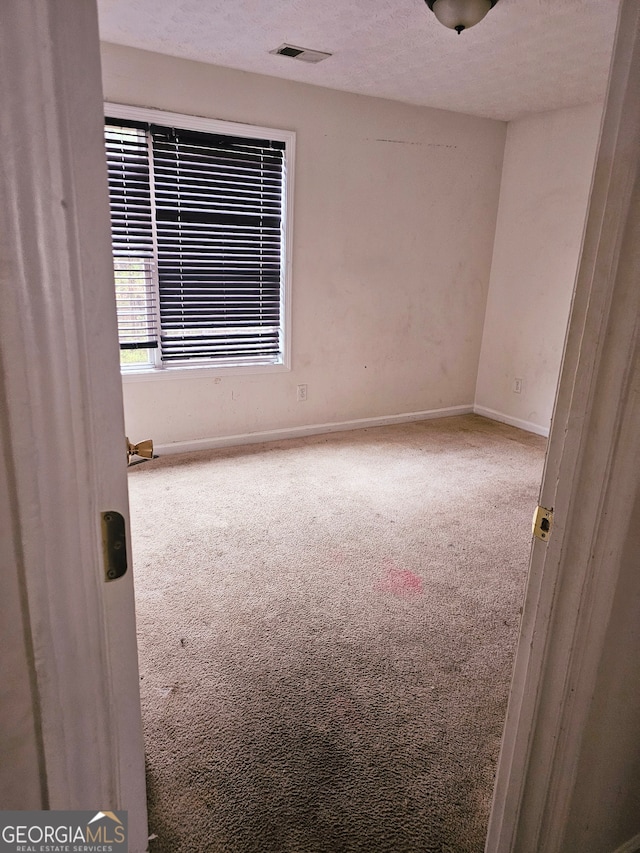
point(459, 15)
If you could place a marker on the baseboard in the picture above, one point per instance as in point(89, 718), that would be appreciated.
point(507, 419)
point(631, 846)
point(312, 429)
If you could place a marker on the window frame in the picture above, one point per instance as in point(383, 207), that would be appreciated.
point(159, 370)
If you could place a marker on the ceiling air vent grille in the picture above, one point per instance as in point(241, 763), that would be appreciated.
point(301, 53)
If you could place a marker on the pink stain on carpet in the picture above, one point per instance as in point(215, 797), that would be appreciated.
point(399, 582)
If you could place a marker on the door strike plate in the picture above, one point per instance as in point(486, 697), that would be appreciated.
point(114, 545)
point(542, 522)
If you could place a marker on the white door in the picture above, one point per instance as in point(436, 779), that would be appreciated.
point(589, 481)
point(62, 426)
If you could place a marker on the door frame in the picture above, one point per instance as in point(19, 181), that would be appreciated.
point(591, 475)
point(61, 414)
point(63, 422)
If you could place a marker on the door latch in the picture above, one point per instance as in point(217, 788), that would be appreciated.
point(114, 545)
point(542, 523)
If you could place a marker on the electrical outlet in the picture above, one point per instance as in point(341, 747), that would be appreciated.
point(517, 386)
point(301, 393)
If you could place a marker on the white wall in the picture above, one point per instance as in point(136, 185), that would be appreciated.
point(395, 210)
point(548, 164)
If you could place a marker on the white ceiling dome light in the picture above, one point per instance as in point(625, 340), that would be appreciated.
point(459, 15)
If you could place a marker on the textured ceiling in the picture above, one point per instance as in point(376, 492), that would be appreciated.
point(525, 56)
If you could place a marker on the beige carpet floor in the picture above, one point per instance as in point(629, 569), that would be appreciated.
point(326, 632)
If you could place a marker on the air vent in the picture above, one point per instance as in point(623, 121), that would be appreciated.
point(301, 53)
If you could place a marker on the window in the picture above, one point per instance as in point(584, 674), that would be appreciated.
point(200, 221)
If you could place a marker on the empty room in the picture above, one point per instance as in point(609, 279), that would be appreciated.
point(353, 253)
point(327, 624)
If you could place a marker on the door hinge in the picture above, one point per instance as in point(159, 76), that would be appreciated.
point(114, 545)
point(542, 523)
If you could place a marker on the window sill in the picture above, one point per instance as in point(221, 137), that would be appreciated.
point(151, 374)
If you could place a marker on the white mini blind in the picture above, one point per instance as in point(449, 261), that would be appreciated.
point(132, 235)
point(216, 203)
